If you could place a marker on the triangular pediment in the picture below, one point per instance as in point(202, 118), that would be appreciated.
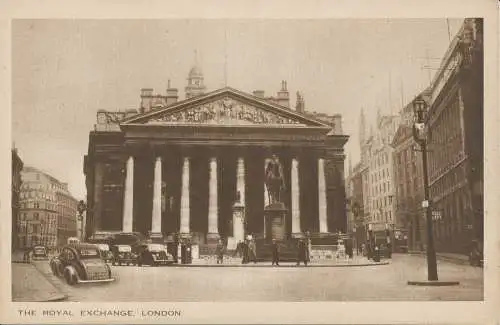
point(225, 107)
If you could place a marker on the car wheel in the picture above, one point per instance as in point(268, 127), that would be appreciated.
point(70, 275)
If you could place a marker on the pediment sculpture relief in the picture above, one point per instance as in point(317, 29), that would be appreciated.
point(225, 111)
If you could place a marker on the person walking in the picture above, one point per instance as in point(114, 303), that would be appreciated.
point(349, 249)
point(219, 251)
point(244, 249)
point(302, 253)
point(276, 253)
point(252, 251)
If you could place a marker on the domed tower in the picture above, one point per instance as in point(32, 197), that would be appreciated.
point(195, 84)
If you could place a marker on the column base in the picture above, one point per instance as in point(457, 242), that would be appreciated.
point(185, 235)
point(213, 238)
point(156, 237)
point(298, 235)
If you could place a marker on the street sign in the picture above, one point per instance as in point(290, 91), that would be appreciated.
point(425, 204)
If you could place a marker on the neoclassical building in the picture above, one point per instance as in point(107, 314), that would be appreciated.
point(196, 167)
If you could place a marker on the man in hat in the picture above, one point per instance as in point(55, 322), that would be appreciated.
point(276, 253)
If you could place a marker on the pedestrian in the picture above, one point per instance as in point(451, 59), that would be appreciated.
point(302, 252)
point(219, 251)
point(376, 254)
point(252, 251)
point(349, 249)
point(244, 246)
point(275, 248)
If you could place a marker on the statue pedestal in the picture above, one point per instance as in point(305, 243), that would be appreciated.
point(275, 221)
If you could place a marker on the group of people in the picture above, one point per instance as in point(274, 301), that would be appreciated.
point(247, 250)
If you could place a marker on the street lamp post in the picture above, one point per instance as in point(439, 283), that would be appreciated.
point(82, 207)
point(419, 110)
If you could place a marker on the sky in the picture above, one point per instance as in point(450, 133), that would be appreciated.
point(64, 71)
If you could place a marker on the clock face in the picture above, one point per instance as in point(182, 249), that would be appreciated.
point(101, 118)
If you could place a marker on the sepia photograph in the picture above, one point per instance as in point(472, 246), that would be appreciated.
point(245, 160)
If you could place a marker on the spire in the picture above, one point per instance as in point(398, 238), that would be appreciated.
point(362, 127)
point(300, 105)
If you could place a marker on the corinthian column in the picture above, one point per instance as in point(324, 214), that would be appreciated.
point(323, 225)
point(238, 219)
point(184, 228)
point(156, 221)
point(213, 210)
point(128, 199)
point(295, 198)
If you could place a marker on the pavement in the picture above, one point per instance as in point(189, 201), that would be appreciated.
point(29, 285)
point(230, 261)
point(197, 284)
point(449, 257)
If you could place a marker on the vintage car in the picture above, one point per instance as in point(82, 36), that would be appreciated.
point(105, 252)
point(81, 263)
point(39, 253)
point(153, 254)
point(122, 254)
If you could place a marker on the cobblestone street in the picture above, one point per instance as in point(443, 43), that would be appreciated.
point(287, 283)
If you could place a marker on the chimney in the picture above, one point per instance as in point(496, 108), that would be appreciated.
point(258, 93)
point(130, 112)
point(284, 95)
point(146, 99)
point(337, 124)
point(300, 106)
point(172, 94)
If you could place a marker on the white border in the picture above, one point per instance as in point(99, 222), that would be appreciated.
point(328, 312)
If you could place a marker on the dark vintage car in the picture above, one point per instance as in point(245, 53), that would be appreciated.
point(39, 253)
point(153, 254)
point(81, 263)
point(122, 254)
point(105, 252)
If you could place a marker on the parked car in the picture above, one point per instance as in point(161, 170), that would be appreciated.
point(122, 254)
point(154, 255)
point(39, 253)
point(81, 263)
point(105, 252)
point(476, 256)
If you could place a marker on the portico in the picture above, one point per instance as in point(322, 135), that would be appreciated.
point(196, 168)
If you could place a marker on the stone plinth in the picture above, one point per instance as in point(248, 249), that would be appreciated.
point(275, 221)
point(156, 237)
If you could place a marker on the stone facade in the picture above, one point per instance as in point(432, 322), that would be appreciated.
point(191, 167)
point(17, 166)
point(377, 163)
point(47, 210)
point(408, 181)
point(455, 124)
